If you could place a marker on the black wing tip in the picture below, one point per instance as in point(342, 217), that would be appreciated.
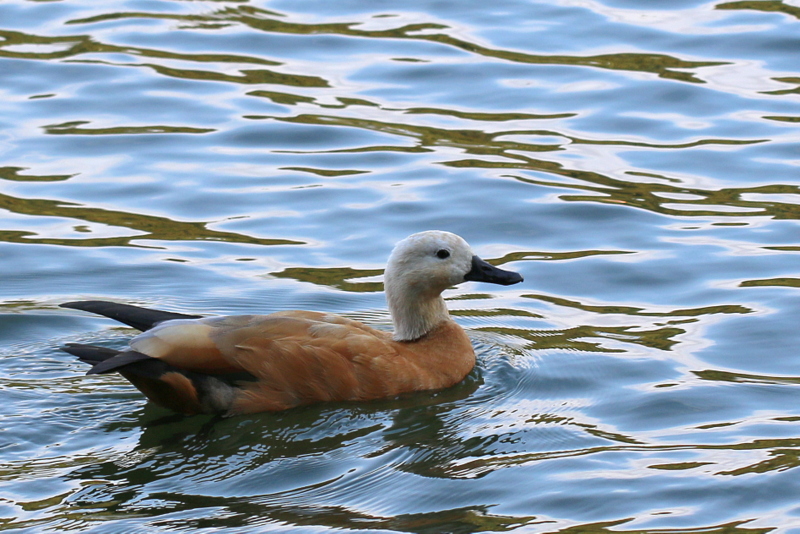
point(75, 305)
point(79, 348)
point(91, 306)
point(134, 316)
point(89, 354)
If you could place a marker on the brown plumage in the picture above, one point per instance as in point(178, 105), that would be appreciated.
point(254, 363)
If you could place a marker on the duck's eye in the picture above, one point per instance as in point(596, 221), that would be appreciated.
point(442, 254)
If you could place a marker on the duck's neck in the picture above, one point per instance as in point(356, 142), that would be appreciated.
point(414, 315)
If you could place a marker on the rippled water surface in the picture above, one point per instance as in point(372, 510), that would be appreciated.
point(637, 162)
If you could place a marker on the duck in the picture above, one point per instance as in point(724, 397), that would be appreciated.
point(243, 364)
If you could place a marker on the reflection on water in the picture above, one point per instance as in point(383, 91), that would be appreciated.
point(637, 162)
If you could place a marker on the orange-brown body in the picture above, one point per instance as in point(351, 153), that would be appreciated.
point(290, 358)
point(305, 357)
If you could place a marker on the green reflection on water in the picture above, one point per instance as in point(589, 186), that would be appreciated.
point(14, 174)
point(665, 198)
point(153, 227)
point(577, 338)
point(338, 277)
point(655, 63)
point(681, 466)
point(290, 99)
point(488, 143)
point(660, 198)
point(630, 310)
point(663, 65)
point(782, 460)
point(77, 45)
point(324, 172)
point(555, 256)
point(728, 376)
point(75, 128)
point(772, 282)
point(491, 117)
point(779, 118)
point(791, 91)
point(768, 6)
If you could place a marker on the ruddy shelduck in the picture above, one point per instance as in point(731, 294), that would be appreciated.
point(256, 363)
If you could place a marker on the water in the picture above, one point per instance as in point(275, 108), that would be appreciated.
point(637, 162)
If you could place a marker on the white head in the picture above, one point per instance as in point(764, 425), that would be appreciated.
point(420, 268)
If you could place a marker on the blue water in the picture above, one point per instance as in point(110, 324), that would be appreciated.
point(637, 162)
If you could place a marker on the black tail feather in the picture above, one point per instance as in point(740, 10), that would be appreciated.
point(104, 360)
point(160, 382)
point(135, 316)
point(89, 353)
point(166, 385)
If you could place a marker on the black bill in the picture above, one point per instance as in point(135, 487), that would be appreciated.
point(484, 272)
